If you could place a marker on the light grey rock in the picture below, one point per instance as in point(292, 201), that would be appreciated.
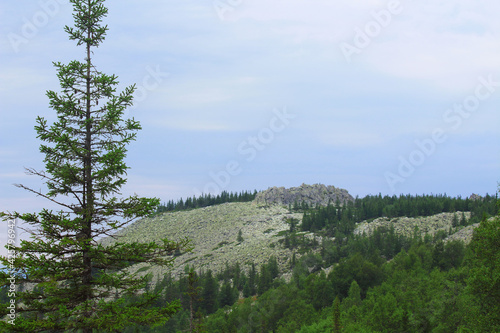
point(313, 195)
point(464, 235)
point(425, 225)
point(213, 232)
point(474, 197)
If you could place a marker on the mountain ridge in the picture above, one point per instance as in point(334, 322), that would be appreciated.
point(213, 232)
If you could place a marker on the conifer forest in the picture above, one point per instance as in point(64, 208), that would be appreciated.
point(104, 233)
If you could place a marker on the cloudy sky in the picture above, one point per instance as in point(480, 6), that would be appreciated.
point(372, 96)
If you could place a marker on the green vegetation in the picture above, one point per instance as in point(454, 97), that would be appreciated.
point(213, 292)
point(339, 220)
point(483, 283)
point(335, 280)
point(380, 282)
point(206, 200)
point(424, 288)
point(72, 282)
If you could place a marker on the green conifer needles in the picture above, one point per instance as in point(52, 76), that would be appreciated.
point(71, 280)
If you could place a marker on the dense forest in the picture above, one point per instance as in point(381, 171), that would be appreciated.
point(205, 200)
point(340, 219)
point(381, 282)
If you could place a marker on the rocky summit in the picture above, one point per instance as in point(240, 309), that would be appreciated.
point(313, 195)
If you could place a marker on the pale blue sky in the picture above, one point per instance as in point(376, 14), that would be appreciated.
point(243, 95)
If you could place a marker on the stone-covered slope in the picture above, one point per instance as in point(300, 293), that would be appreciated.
point(213, 232)
point(425, 225)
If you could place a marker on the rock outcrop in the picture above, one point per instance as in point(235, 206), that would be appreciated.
point(313, 195)
point(475, 196)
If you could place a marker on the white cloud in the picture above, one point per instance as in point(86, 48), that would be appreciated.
point(227, 76)
point(444, 43)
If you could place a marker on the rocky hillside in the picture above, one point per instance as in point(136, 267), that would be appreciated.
point(424, 225)
point(213, 232)
point(313, 195)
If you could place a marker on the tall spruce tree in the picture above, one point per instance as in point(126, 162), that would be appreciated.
point(209, 293)
point(193, 291)
point(74, 282)
point(337, 327)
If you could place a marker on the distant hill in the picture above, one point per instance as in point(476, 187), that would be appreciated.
point(323, 240)
point(263, 223)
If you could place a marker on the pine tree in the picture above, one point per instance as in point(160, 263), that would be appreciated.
point(226, 295)
point(463, 220)
point(265, 279)
point(454, 222)
point(252, 279)
point(293, 261)
point(293, 224)
point(237, 276)
point(286, 243)
point(354, 296)
point(193, 293)
point(209, 293)
point(239, 239)
point(78, 282)
point(273, 267)
point(247, 291)
point(337, 327)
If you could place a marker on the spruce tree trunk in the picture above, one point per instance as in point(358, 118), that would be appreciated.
point(88, 195)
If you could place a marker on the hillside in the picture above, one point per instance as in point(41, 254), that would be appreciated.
point(213, 232)
point(423, 225)
point(411, 271)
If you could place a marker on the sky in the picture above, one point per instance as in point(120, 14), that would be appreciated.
point(372, 96)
